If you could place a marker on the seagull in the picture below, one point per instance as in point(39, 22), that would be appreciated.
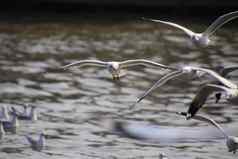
point(231, 141)
point(202, 39)
point(36, 145)
point(24, 115)
point(11, 125)
point(114, 67)
point(2, 132)
point(221, 82)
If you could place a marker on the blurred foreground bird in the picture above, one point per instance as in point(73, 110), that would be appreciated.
point(231, 141)
point(202, 39)
point(115, 67)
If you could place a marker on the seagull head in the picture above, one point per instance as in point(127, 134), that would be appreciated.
point(114, 69)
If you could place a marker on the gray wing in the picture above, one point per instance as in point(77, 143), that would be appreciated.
point(219, 22)
point(218, 77)
point(202, 95)
point(161, 82)
point(143, 62)
point(186, 30)
point(86, 63)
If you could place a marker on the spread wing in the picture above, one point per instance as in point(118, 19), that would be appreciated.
point(160, 82)
point(186, 30)
point(83, 63)
point(219, 22)
point(143, 62)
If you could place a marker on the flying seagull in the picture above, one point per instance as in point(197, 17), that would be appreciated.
point(231, 141)
point(114, 67)
point(220, 81)
point(202, 39)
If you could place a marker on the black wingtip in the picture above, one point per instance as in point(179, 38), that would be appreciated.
point(140, 99)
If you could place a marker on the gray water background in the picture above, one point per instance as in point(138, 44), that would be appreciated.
point(72, 103)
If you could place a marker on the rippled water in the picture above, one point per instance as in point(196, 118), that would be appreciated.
point(73, 104)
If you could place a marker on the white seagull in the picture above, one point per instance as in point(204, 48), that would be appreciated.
point(202, 39)
point(224, 85)
point(38, 144)
point(114, 67)
point(231, 141)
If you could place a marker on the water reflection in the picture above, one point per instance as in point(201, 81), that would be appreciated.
point(72, 103)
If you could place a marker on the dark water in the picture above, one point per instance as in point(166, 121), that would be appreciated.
point(73, 104)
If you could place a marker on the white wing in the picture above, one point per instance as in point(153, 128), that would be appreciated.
point(190, 33)
point(161, 82)
point(86, 63)
point(143, 62)
point(219, 22)
point(221, 79)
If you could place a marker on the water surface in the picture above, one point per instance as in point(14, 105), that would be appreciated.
point(73, 104)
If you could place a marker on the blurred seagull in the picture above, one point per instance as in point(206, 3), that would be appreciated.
point(202, 39)
point(231, 141)
point(11, 125)
point(36, 145)
point(114, 67)
point(32, 115)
